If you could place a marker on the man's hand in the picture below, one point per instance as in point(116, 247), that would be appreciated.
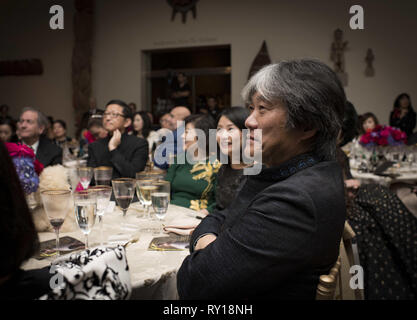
point(115, 140)
point(352, 184)
point(203, 212)
point(205, 241)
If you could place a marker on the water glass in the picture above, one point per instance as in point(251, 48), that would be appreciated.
point(160, 201)
point(85, 203)
point(103, 195)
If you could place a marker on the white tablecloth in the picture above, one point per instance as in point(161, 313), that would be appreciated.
point(404, 176)
point(153, 273)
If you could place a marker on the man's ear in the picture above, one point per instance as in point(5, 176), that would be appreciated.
point(41, 130)
point(308, 133)
point(127, 123)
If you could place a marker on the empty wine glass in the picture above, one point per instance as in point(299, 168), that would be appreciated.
point(160, 201)
point(103, 195)
point(85, 174)
point(103, 175)
point(124, 190)
point(56, 204)
point(85, 202)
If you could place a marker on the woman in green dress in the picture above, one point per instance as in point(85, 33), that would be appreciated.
point(193, 174)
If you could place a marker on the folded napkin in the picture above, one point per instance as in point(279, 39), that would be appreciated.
point(183, 226)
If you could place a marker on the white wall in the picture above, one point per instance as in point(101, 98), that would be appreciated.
point(291, 28)
point(25, 34)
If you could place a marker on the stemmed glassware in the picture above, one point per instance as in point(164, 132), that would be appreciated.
point(103, 175)
point(144, 189)
point(103, 195)
point(56, 204)
point(160, 201)
point(85, 174)
point(124, 190)
point(85, 203)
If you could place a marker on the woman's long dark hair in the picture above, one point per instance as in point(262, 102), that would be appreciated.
point(147, 126)
point(18, 237)
point(397, 106)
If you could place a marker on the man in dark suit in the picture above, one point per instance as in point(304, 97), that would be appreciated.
point(283, 229)
point(31, 125)
point(127, 154)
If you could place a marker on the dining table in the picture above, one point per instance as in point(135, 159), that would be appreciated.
point(152, 272)
point(397, 173)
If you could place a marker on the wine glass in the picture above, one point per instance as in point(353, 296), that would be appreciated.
point(144, 189)
point(85, 203)
point(85, 174)
point(103, 195)
point(124, 190)
point(160, 201)
point(151, 175)
point(56, 204)
point(103, 175)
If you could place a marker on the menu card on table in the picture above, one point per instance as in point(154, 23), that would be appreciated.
point(172, 242)
point(66, 245)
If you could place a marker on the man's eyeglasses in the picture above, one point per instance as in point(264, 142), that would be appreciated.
point(112, 114)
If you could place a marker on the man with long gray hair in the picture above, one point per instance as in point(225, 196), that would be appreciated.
point(31, 125)
point(284, 227)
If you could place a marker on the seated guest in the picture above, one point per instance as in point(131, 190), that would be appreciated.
point(18, 239)
point(60, 133)
point(177, 114)
point(94, 132)
point(7, 130)
point(194, 185)
point(165, 121)
point(283, 229)
point(385, 231)
point(142, 129)
point(88, 114)
point(19, 242)
point(32, 125)
point(403, 115)
point(367, 122)
point(230, 124)
point(127, 154)
point(4, 112)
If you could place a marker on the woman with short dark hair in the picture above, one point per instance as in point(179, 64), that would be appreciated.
point(367, 122)
point(7, 130)
point(193, 174)
point(59, 128)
